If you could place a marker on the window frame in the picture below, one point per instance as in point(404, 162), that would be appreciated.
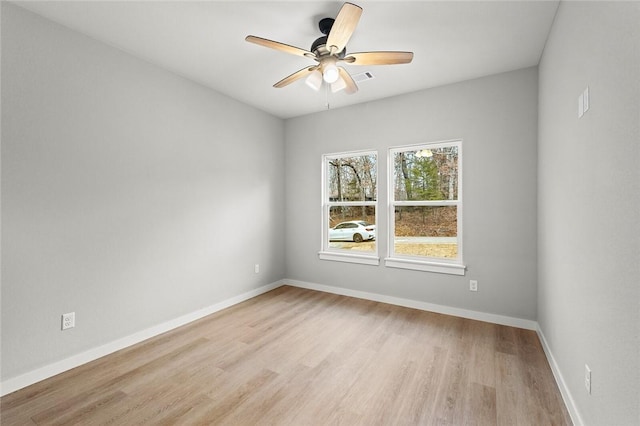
point(337, 254)
point(423, 263)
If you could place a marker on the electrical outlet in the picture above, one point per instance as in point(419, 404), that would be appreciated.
point(68, 320)
point(581, 105)
point(583, 102)
point(256, 268)
point(473, 285)
point(587, 378)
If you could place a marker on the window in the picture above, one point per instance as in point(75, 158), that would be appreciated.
point(349, 207)
point(425, 207)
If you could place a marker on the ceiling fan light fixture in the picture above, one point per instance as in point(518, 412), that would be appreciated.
point(330, 72)
point(314, 80)
point(338, 85)
point(425, 153)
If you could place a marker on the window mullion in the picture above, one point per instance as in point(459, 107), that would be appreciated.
point(351, 203)
point(426, 203)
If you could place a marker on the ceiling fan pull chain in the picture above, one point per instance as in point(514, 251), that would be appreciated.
point(326, 91)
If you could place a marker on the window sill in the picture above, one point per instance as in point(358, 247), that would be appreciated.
point(427, 266)
point(362, 259)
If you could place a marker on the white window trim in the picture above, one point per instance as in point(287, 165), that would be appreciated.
point(349, 258)
point(420, 263)
point(340, 255)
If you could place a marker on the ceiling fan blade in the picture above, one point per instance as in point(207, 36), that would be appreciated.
point(352, 87)
point(379, 58)
point(343, 26)
point(304, 72)
point(279, 46)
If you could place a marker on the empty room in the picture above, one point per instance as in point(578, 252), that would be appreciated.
point(319, 212)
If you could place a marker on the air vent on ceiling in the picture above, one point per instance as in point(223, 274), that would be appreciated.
point(362, 76)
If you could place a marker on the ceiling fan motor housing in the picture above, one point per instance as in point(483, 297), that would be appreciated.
point(319, 46)
point(320, 42)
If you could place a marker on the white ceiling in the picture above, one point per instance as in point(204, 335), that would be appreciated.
point(204, 41)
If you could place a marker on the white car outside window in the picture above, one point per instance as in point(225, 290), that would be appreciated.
point(356, 231)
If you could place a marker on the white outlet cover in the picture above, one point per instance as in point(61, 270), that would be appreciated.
point(587, 378)
point(581, 105)
point(68, 320)
point(585, 98)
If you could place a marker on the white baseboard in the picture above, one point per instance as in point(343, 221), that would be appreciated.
point(24, 380)
point(562, 385)
point(423, 306)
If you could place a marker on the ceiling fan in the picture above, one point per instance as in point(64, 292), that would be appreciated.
point(330, 49)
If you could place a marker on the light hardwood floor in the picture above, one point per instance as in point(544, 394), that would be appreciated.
point(301, 357)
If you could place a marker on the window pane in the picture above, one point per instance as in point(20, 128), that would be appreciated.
point(352, 178)
point(359, 234)
point(426, 231)
point(426, 174)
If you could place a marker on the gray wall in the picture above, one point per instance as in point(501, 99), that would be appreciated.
point(496, 117)
point(122, 198)
point(129, 195)
point(589, 206)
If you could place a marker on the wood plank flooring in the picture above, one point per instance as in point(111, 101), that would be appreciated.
point(300, 357)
